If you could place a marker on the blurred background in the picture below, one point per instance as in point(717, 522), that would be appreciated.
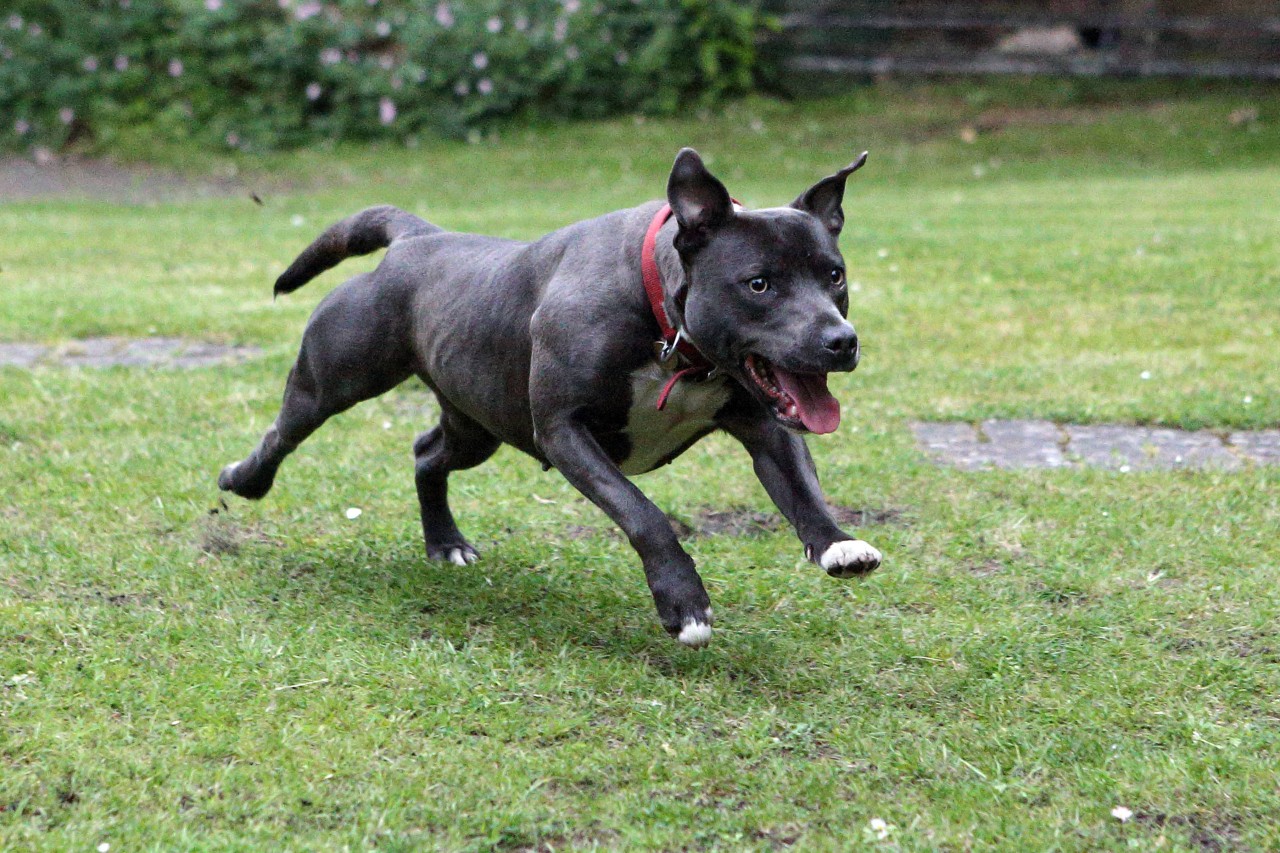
point(1132, 38)
point(130, 75)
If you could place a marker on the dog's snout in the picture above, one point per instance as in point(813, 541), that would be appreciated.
point(842, 342)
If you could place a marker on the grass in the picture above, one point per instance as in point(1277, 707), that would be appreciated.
point(1040, 647)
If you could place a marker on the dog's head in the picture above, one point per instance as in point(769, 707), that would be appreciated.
point(764, 295)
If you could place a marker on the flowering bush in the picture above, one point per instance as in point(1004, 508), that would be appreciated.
point(271, 73)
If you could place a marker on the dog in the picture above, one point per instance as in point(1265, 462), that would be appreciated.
point(604, 350)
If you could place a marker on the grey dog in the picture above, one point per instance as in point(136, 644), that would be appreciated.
point(556, 347)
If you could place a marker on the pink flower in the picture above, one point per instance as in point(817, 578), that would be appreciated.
point(480, 61)
point(521, 23)
point(67, 115)
point(382, 28)
point(461, 89)
point(493, 25)
point(213, 5)
point(330, 56)
point(90, 63)
point(386, 61)
point(484, 86)
point(21, 127)
point(572, 52)
point(121, 62)
point(571, 6)
point(15, 22)
point(386, 111)
point(561, 30)
point(314, 91)
point(175, 67)
point(307, 9)
point(444, 16)
point(233, 139)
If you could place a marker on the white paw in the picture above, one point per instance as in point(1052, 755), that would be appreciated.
point(695, 634)
point(459, 557)
point(849, 558)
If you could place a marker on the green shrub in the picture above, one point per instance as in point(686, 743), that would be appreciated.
point(272, 73)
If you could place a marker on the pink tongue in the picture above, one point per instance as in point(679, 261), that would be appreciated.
point(819, 411)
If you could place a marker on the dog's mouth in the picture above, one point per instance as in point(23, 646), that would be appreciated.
point(800, 401)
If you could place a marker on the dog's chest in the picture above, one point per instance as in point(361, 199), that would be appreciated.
point(689, 412)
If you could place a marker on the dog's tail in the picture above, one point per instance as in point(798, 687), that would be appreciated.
point(367, 231)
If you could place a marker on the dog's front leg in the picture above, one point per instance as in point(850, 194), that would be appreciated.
point(785, 468)
point(682, 602)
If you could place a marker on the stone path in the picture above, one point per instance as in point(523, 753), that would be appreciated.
point(174, 353)
point(1043, 444)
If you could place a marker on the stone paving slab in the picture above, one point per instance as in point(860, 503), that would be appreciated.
point(956, 444)
point(21, 355)
point(1144, 449)
point(1262, 446)
point(1025, 444)
point(999, 444)
point(124, 352)
point(1018, 444)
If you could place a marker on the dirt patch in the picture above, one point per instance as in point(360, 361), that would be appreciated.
point(777, 838)
point(48, 176)
point(1251, 645)
point(851, 517)
point(220, 536)
point(734, 522)
point(740, 522)
point(744, 522)
point(165, 353)
point(1210, 833)
point(582, 531)
point(985, 568)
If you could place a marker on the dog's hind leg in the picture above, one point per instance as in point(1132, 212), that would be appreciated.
point(457, 443)
point(347, 356)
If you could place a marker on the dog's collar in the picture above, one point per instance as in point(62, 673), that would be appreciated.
point(673, 340)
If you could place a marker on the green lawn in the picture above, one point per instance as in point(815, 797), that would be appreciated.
point(1039, 648)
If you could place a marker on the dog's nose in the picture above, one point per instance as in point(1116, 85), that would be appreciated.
point(843, 342)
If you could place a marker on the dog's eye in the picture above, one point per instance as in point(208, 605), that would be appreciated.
point(759, 284)
point(837, 277)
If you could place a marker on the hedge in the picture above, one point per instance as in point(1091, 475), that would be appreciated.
point(278, 73)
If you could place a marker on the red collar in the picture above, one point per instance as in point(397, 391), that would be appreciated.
point(698, 366)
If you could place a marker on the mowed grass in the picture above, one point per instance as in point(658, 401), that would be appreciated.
point(1039, 648)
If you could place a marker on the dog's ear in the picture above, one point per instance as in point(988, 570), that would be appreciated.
point(823, 199)
point(698, 199)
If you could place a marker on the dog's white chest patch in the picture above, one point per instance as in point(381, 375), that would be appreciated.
point(691, 409)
